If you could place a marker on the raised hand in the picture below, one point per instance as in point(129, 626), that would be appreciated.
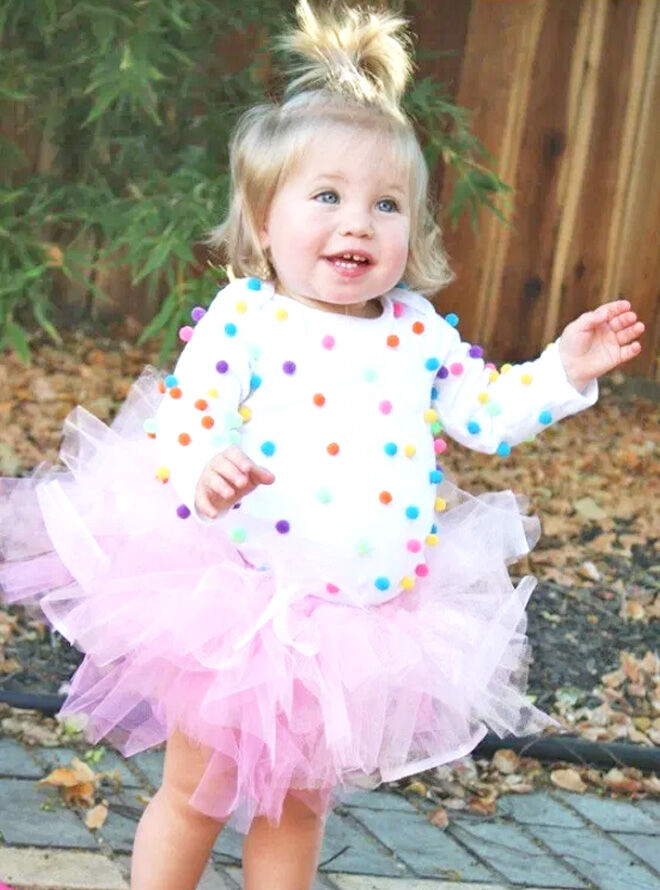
point(598, 341)
point(227, 478)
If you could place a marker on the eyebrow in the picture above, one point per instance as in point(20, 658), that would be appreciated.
point(391, 187)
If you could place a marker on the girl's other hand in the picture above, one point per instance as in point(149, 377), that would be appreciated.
point(227, 478)
point(597, 342)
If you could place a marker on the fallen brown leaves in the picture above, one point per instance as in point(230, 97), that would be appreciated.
point(630, 709)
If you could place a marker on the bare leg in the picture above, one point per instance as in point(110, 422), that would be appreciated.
point(286, 857)
point(173, 840)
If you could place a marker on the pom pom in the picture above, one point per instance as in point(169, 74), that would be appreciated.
point(185, 333)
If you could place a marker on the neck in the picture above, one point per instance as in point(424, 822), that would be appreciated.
point(367, 309)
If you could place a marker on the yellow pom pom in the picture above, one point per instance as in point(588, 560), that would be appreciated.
point(407, 582)
point(431, 540)
point(525, 379)
point(281, 315)
point(430, 416)
point(492, 377)
point(409, 450)
point(440, 505)
point(163, 474)
point(245, 412)
point(483, 397)
point(505, 368)
point(241, 306)
point(212, 393)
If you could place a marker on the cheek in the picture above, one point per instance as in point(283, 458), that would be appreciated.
point(399, 244)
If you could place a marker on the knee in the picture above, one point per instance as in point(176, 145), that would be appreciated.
point(178, 803)
point(297, 811)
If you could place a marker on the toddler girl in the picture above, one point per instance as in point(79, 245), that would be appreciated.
point(262, 559)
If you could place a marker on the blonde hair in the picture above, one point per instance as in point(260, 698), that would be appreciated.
point(353, 67)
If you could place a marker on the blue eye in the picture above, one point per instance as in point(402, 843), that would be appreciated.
point(390, 205)
point(328, 193)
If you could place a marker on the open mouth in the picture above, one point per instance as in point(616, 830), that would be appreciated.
point(350, 260)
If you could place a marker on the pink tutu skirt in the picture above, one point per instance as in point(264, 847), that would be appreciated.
point(158, 605)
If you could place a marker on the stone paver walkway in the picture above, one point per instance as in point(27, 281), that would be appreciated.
point(374, 840)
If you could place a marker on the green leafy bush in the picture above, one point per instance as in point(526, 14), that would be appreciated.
point(129, 106)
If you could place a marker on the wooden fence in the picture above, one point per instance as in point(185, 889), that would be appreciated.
point(565, 96)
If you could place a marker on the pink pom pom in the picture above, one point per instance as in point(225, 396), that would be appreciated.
point(398, 310)
point(439, 446)
point(185, 333)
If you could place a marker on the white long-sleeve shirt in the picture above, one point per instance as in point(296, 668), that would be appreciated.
point(349, 414)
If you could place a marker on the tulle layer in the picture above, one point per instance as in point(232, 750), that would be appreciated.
point(162, 608)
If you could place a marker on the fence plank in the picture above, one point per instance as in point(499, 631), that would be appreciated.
point(633, 267)
point(494, 84)
point(523, 283)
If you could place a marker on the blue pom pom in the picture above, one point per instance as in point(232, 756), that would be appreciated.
point(504, 449)
point(254, 284)
point(473, 427)
point(255, 381)
point(171, 381)
point(230, 329)
point(412, 512)
point(545, 417)
point(452, 319)
point(268, 448)
point(391, 449)
point(436, 476)
point(432, 364)
point(382, 583)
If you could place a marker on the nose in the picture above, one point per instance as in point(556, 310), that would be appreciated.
point(356, 222)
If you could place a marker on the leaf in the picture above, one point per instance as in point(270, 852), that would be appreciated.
point(96, 817)
point(588, 508)
point(506, 761)
point(417, 787)
point(568, 779)
point(439, 817)
point(63, 776)
point(17, 338)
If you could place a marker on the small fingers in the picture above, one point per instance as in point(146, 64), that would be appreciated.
point(219, 485)
point(204, 505)
point(260, 475)
point(629, 333)
point(631, 351)
point(232, 474)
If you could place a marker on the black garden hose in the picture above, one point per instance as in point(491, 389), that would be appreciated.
point(559, 747)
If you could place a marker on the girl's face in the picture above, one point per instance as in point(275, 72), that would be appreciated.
point(338, 227)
